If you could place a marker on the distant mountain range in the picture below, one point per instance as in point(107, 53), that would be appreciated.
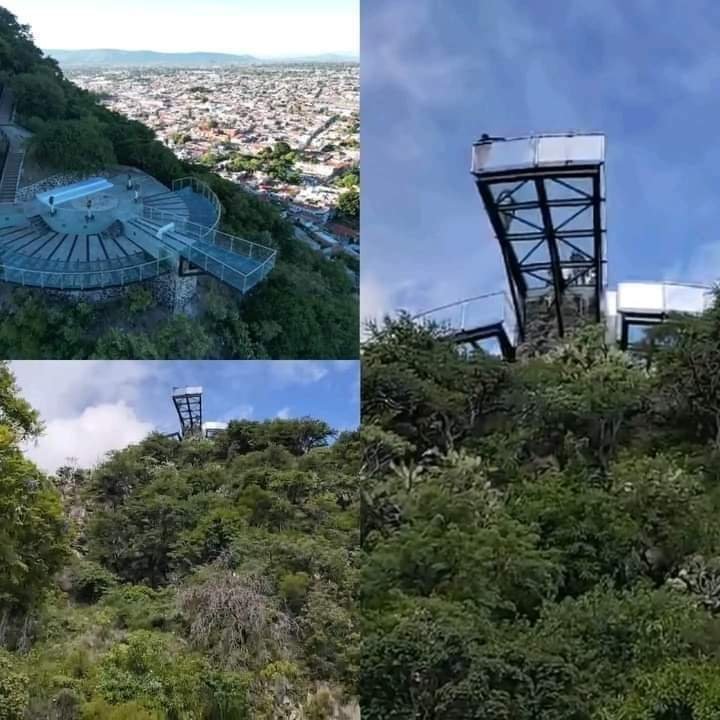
point(148, 58)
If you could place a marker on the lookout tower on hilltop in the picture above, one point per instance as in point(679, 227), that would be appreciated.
point(544, 196)
point(188, 405)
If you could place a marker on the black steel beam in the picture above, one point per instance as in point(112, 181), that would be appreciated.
point(557, 202)
point(598, 238)
point(558, 280)
point(550, 172)
point(590, 232)
point(512, 269)
point(487, 332)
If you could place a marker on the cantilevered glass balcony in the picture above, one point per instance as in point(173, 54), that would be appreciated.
point(493, 154)
point(635, 308)
point(485, 321)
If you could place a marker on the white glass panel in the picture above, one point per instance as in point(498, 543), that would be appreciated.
point(640, 297)
point(575, 148)
point(610, 303)
point(503, 153)
point(684, 298)
point(193, 390)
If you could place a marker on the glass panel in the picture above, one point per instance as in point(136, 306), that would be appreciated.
point(503, 153)
point(569, 188)
point(572, 218)
point(640, 297)
point(684, 298)
point(527, 251)
point(639, 334)
point(575, 148)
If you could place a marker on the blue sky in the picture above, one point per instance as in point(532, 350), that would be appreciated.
point(435, 75)
point(90, 407)
point(271, 28)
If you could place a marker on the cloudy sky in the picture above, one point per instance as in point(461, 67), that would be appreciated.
point(436, 74)
point(91, 407)
point(271, 28)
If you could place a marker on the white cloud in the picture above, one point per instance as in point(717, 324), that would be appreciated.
point(263, 29)
point(283, 413)
point(244, 411)
point(87, 436)
point(296, 372)
point(64, 388)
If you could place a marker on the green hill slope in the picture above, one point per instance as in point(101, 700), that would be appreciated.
point(541, 539)
point(308, 307)
point(203, 579)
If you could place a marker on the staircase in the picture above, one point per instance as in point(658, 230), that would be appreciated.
point(200, 208)
point(168, 202)
point(16, 150)
point(11, 175)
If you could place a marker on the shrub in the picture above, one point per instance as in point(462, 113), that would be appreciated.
point(14, 694)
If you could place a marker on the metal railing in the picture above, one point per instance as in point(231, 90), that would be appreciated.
point(663, 297)
point(87, 279)
point(474, 312)
point(220, 239)
point(550, 148)
point(194, 242)
point(201, 188)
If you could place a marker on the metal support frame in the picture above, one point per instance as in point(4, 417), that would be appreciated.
point(188, 269)
point(495, 331)
point(516, 281)
point(640, 319)
point(189, 409)
point(558, 280)
point(551, 235)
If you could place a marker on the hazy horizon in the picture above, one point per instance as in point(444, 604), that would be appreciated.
point(339, 53)
point(278, 29)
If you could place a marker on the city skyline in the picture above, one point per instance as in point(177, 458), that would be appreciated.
point(239, 27)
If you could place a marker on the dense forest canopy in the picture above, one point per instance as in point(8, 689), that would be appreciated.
point(307, 308)
point(202, 579)
point(540, 539)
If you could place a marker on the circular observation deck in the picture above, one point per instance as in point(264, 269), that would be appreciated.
point(83, 236)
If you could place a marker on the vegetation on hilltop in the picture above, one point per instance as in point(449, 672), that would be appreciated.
point(540, 539)
point(202, 579)
point(307, 308)
point(277, 161)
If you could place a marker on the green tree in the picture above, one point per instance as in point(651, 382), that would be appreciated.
point(349, 203)
point(33, 535)
point(73, 145)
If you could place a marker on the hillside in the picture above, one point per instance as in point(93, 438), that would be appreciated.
point(202, 579)
point(146, 58)
point(308, 307)
point(541, 538)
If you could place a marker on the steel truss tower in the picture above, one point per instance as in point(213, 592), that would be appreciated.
point(188, 404)
point(544, 197)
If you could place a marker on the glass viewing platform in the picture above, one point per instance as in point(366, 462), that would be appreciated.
point(485, 321)
point(636, 307)
point(494, 153)
point(106, 232)
point(545, 199)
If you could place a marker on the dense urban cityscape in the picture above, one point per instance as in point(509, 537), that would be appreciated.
point(289, 132)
